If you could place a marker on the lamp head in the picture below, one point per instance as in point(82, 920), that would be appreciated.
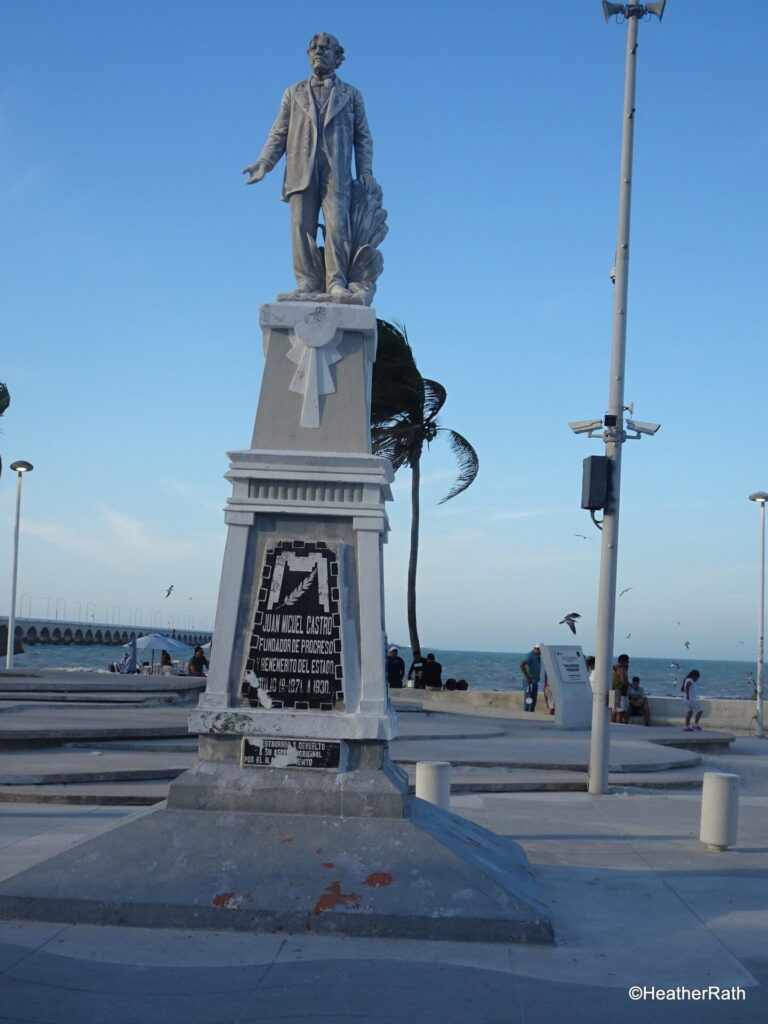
point(634, 10)
point(22, 467)
point(759, 496)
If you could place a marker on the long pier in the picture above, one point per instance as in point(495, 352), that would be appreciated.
point(63, 632)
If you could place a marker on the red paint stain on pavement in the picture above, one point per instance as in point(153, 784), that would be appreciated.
point(328, 864)
point(378, 879)
point(336, 898)
point(222, 899)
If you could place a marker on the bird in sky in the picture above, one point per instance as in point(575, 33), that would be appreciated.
point(570, 621)
point(687, 644)
point(627, 636)
point(168, 591)
point(582, 535)
point(625, 590)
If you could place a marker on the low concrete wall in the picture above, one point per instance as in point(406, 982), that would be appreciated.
point(735, 716)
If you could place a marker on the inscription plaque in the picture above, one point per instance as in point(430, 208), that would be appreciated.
point(294, 655)
point(280, 752)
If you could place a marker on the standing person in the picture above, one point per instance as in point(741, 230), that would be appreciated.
point(591, 671)
point(530, 666)
point(620, 685)
point(166, 664)
point(432, 674)
point(692, 701)
point(197, 664)
point(415, 671)
point(320, 125)
point(395, 668)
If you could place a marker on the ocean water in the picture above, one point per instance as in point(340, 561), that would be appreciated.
point(483, 670)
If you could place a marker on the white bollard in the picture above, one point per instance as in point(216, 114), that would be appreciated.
point(719, 810)
point(433, 782)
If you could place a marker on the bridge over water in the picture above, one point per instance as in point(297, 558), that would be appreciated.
point(58, 631)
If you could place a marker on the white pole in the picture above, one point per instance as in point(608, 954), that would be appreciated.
point(12, 615)
point(614, 438)
point(761, 627)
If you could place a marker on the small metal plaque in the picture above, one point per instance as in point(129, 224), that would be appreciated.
point(282, 752)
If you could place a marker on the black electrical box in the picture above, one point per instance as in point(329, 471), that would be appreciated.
point(595, 482)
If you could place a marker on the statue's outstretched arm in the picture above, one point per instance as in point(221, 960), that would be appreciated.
point(275, 145)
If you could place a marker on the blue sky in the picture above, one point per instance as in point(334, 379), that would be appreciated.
point(135, 261)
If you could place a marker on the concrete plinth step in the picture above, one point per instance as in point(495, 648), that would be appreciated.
point(57, 766)
point(77, 722)
point(101, 684)
point(100, 794)
point(702, 742)
point(54, 697)
point(178, 745)
point(520, 780)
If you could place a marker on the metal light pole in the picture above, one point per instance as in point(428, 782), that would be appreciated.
point(615, 434)
point(760, 497)
point(21, 468)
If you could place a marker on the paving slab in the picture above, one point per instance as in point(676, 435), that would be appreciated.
point(622, 873)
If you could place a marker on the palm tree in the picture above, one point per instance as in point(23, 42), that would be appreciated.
point(404, 410)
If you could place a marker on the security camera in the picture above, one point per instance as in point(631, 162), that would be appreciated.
point(585, 426)
point(643, 428)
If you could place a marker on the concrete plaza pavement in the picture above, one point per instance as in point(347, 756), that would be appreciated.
point(636, 900)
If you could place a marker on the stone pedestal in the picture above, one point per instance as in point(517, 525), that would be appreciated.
point(294, 818)
point(295, 716)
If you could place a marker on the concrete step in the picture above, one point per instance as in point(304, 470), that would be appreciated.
point(105, 794)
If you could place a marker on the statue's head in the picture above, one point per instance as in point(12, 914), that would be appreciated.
point(325, 53)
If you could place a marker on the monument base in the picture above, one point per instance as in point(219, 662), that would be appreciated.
point(430, 875)
point(368, 785)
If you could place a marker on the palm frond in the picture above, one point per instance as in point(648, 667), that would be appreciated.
point(396, 387)
point(434, 398)
point(468, 460)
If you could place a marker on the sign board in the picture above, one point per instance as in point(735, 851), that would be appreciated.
point(282, 752)
point(566, 670)
point(295, 652)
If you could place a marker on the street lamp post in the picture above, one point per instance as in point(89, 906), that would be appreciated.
point(21, 468)
point(760, 497)
point(614, 424)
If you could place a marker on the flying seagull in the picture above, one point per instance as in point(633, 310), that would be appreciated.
point(570, 621)
point(674, 664)
point(168, 591)
point(687, 644)
point(625, 590)
point(582, 535)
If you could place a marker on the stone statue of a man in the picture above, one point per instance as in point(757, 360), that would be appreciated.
point(321, 122)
